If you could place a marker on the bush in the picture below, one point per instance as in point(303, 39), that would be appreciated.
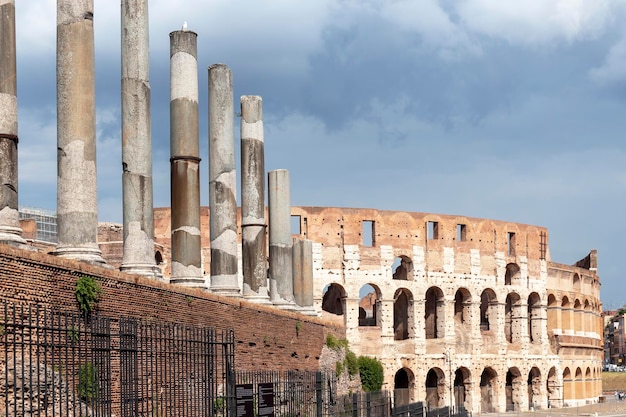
point(371, 371)
point(352, 363)
point(334, 343)
point(87, 382)
point(87, 293)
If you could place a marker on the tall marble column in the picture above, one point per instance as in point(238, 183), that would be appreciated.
point(185, 160)
point(10, 230)
point(280, 245)
point(138, 256)
point(222, 182)
point(254, 257)
point(77, 202)
point(303, 275)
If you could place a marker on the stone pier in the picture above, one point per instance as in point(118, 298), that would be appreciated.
point(222, 182)
point(77, 202)
point(253, 244)
point(138, 257)
point(185, 161)
point(280, 245)
point(10, 230)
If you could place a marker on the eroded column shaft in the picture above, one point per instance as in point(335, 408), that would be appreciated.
point(254, 257)
point(280, 256)
point(185, 161)
point(77, 202)
point(222, 182)
point(303, 272)
point(10, 230)
point(138, 220)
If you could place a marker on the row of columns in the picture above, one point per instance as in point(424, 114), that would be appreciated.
point(77, 213)
point(567, 320)
point(288, 261)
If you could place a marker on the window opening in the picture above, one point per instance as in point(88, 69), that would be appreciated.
point(368, 232)
point(295, 225)
point(510, 240)
point(433, 230)
point(461, 232)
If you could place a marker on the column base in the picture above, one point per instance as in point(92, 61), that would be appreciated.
point(88, 255)
point(147, 270)
point(11, 236)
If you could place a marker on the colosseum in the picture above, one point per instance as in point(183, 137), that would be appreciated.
point(461, 311)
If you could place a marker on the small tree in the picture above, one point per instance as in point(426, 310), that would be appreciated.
point(371, 371)
point(87, 293)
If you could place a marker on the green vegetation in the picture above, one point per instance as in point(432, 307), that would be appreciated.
point(73, 334)
point(87, 293)
point(298, 327)
point(352, 363)
point(336, 344)
point(371, 371)
point(87, 382)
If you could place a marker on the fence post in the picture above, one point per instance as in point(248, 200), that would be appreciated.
point(318, 394)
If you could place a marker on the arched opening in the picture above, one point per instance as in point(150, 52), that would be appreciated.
point(402, 314)
point(462, 385)
point(512, 318)
point(488, 390)
point(534, 318)
point(158, 258)
point(568, 389)
point(402, 386)
point(578, 316)
point(552, 388)
point(576, 282)
point(588, 390)
point(402, 268)
point(369, 305)
point(462, 315)
point(513, 389)
point(512, 276)
point(488, 305)
point(434, 313)
point(534, 388)
point(566, 315)
point(334, 299)
point(578, 384)
point(435, 388)
point(553, 313)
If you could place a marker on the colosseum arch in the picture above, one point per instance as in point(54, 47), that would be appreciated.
point(552, 388)
point(534, 388)
point(435, 387)
point(334, 300)
point(434, 313)
point(403, 268)
point(462, 386)
point(578, 384)
point(576, 282)
point(568, 385)
point(588, 384)
point(512, 275)
point(553, 313)
point(512, 317)
point(403, 321)
point(488, 390)
point(462, 314)
point(588, 317)
point(514, 389)
point(578, 316)
point(403, 386)
point(534, 318)
point(566, 315)
point(488, 309)
point(369, 305)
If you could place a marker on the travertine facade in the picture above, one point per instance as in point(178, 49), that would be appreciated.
point(473, 301)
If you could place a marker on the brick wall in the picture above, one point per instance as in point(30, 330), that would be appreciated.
point(266, 338)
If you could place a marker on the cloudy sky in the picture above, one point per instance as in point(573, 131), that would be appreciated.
point(485, 108)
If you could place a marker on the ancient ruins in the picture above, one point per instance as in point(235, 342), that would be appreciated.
point(461, 311)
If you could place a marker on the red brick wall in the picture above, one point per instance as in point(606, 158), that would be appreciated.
point(266, 338)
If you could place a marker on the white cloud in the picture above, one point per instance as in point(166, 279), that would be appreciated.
point(613, 69)
point(536, 22)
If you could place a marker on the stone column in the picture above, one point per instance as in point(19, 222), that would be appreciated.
point(279, 208)
point(10, 230)
point(138, 257)
point(253, 241)
point(303, 275)
point(222, 182)
point(185, 161)
point(77, 201)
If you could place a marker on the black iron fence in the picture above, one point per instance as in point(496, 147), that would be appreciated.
point(59, 364)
